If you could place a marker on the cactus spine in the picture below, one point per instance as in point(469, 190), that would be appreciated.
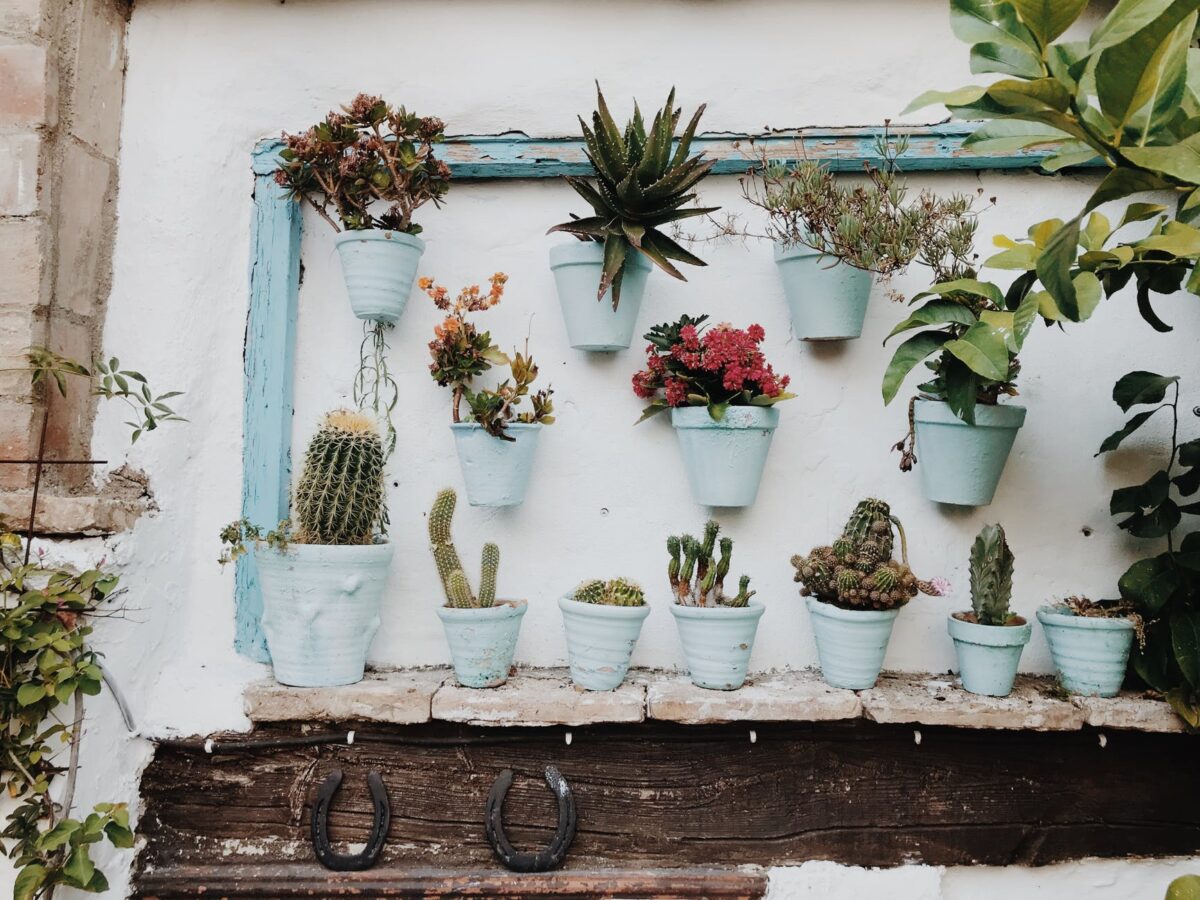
point(709, 571)
point(991, 576)
point(614, 592)
point(339, 495)
point(450, 570)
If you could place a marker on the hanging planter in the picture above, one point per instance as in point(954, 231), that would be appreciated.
point(723, 413)
point(602, 621)
point(496, 472)
point(827, 299)
point(481, 630)
point(961, 464)
point(321, 609)
point(379, 268)
point(1090, 652)
point(592, 322)
point(855, 590)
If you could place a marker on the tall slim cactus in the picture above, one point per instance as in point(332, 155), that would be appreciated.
point(689, 556)
point(339, 495)
point(450, 570)
point(991, 576)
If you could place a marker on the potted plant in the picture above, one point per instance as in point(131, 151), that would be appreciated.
point(497, 445)
point(721, 393)
point(602, 620)
point(640, 184)
point(323, 576)
point(855, 590)
point(481, 630)
point(1090, 643)
point(957, 425)
point(370, 153)
point(989, 638)
point(830, 237)
point(716, 630)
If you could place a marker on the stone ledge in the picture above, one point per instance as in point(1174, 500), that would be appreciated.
point(546, 697)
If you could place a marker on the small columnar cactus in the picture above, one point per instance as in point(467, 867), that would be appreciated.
point(339, 496)
point(697, 577)
point(991, 576)
point(614, 592)
point(450, 570)
point(857, 571)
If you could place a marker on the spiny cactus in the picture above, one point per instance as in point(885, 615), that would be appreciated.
point(857, 571)
point(697, 578)
point(450, 570)
point(991, 576)
point(614, 592)
point(339, 496)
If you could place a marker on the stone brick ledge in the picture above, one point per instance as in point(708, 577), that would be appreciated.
point(546, 697)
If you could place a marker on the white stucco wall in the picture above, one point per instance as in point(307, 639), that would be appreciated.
point(206, 80)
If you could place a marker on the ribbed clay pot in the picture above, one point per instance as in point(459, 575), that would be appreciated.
point(717, 642)
point(483, 641)
point(988, 655)
point(379, 268)
point(851, 643)
point(1089, 652)
point(600, 641)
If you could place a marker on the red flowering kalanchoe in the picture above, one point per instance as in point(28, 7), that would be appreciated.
point(689, 364)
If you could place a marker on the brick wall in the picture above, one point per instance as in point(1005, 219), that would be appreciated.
point(62, 66)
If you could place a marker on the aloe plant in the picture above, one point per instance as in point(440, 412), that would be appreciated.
point(640, 185)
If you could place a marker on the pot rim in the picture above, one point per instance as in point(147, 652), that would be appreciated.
point(475, 426)
point(752, 610)
point(743, 417)
point(503, 609)
point(1052, 614)
point(320, 552)
point(379, 234)
point(819, 607)
point(586, 253)
point(1015, 635)
point(569, 604)
point(938, 412)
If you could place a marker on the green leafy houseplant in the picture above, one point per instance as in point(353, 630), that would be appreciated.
point(640, 184)
point(1165, 588)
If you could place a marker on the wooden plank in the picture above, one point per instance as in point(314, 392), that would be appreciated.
point(657, 795)
point(268, 364)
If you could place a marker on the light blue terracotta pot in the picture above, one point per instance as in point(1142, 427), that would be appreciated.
point(321, 609)
point(600, 641)
point(961, 463)
point(988, 655)
point(851, 643)
point(592, 324)
point(828, 299)
point(717, 642)
point(379, 268)
point(483, 641)
point(496, 472)
point(724, 460)
point(1090, 654)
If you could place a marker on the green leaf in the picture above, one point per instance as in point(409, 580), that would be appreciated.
point(984, 350)
point(1023, 319)
point(964, 96)
point(1113, 441)
point(935, 312)
point(1088, 292)
point(961, 389)
point(79, 867)
point(1177, 239)
point(1048, 19)
point(1054, 269)
point(1075, 153)
point(1126, 18)
point(907, 355)
point(1150, 582)
point(973, 21)
point(1007, 59)
point(29, 881)
point(29, 694)
point(1123, 182)
point(1140, 212)
point(1009, 135)
point(1185, 887)
point(1138, 388)
point(1141, 496)
point(1185, 640)
point(966, 286)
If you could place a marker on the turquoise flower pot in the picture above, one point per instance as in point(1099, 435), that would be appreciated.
point(600, 641)
point(724, 460)
point(496, 472)
point(851, 643)
point(483, 641)
point(379, 268)
point(717, 642)
point(988, 655)
point(960, 463)
point(1090, 654)
point(828, 299)
point(592, 324)
point(321, 609)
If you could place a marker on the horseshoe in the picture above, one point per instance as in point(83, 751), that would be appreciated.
point(550, 857)
point(349, 862)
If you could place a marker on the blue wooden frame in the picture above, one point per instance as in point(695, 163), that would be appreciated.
point(275, 275)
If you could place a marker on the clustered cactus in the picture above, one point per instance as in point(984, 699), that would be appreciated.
point(339, 497)
point(696, 577)
point(450, 570)
point(991, 576)
point(857, 571)
point(614, 592)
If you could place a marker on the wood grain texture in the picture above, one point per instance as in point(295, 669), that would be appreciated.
point(654, 796)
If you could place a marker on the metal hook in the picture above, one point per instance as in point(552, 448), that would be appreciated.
point(350, 862)
point(551, 856)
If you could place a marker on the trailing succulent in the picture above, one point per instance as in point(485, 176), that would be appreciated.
point(614, 592)
point(991, 567)
point(450, 570)
point(857, 571)
point(639, 186)
point(697, 578)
